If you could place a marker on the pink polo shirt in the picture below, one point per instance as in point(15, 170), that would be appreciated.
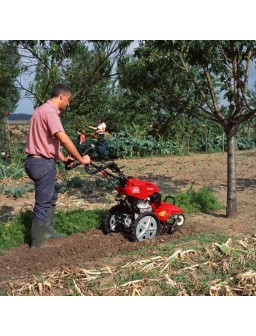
point(44, 123)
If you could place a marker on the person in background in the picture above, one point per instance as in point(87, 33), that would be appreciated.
point(45, 136)
point(82, 137)
point(100, 129)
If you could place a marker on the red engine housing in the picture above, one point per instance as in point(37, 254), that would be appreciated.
point(138, 188)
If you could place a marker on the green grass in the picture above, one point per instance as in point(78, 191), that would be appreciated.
point(79, 220)
point(17, 231)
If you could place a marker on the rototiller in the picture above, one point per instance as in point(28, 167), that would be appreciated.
point(139, 211)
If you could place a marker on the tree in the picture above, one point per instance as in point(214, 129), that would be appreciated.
point(83, 63)
point(9, 93)
point(9, 70)
point(87, 67)
point(204, 78)
point(44, 62)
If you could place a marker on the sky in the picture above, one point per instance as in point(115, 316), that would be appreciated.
point(24, 106)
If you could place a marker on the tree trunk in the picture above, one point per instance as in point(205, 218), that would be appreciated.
point(231, 173)
point(223, 143)
point(8, 138)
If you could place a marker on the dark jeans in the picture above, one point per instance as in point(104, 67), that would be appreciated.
point(43, 173)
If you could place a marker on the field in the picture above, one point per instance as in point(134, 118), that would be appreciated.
point(93, 250)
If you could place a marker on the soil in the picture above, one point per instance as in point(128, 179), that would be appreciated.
point(92, 248)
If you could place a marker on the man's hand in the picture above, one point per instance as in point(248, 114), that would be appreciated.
point(85, 159)
point(69, 160)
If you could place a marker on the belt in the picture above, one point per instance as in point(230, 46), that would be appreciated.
point(38, 156)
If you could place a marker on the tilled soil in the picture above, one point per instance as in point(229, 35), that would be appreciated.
point(92, 248)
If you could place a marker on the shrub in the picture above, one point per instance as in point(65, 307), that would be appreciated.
point(204, 200)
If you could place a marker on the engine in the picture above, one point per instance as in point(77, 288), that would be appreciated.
point(142, 205)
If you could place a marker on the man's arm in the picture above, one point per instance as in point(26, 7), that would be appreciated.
point(71, 148)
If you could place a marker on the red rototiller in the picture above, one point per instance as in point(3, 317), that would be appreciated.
point(140, 210)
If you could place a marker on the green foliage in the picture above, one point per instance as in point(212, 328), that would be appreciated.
point(17, 231)
point(3, 292)
point(19, 190)
point(128, 144)
point(193, 241)
point(243, 143)
point(75, 182)
point(206, 80)
point(9, 70)
point(10, 171)
point(48, 57)
point(13, 167)
point(202, 200)
point(79, 220)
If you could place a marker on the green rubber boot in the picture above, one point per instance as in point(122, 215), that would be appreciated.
point(37, 234)
point(50, 232)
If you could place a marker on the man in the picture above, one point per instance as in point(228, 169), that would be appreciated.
point(45, 136)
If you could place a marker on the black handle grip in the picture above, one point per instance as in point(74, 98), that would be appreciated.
point(70, 164)
point(93, 169)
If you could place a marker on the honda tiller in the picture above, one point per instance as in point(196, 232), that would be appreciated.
point(139, 211)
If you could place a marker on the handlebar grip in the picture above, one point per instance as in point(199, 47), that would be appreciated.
point(68, 165)
point(88, 168)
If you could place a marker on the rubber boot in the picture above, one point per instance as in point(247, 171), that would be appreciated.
point(50, 232)
point(37, 234)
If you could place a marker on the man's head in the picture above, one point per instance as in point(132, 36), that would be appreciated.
point(61, 96)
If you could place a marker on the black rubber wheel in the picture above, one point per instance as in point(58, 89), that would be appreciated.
point(146, 226)
point(113, 220)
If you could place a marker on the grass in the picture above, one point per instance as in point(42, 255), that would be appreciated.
point(17, 231)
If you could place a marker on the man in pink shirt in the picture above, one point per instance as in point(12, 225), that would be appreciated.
point(45, 136)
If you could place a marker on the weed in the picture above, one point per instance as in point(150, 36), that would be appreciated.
point(127, 276)
point(19, 191)
point(79, 220)
point(99, 182)
point(75, 182)
point(202, 200)
point(3, 292)
point(167, 289)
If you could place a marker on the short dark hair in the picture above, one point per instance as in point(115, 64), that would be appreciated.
point(58, 89)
